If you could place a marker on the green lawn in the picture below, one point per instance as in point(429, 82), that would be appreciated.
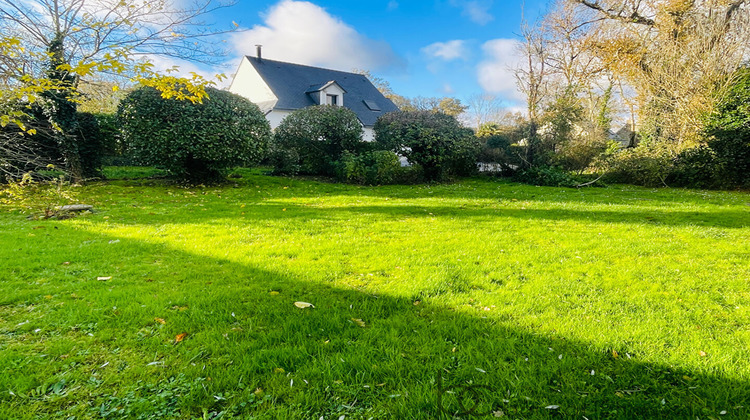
point(531, 302)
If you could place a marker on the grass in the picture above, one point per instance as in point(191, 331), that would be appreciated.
point(527, 302)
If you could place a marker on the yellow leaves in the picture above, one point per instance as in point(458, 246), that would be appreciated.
point(273, 293)
point(279, 370)
point(615, 354)
point(115, 88)
point(359, 322)
point(702, 353)
point(303, 305)
point(160, 321)
point(179, 337)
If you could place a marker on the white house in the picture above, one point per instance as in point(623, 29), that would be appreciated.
point(279, 88)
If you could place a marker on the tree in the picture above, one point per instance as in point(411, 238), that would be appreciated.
point(49, 46)
point(312, 140)
point(195, 141)
point(482, 109)
point(675, 55)
point(532, 81)
point(435, 141)
point(446, 105)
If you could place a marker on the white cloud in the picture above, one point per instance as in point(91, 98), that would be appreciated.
point(302, 32)
point(448, 51)
point(476, 10)
point(495, 72)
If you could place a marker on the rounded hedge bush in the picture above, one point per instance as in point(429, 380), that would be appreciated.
point(195, 141)
point(312, 140)
point(435, 141)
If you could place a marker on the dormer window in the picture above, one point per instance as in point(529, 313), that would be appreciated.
point(328, 93)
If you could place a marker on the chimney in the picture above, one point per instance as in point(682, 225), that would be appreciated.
point(258, 47)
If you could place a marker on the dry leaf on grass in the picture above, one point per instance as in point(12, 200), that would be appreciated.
point(180, 337)
point(160, 321)
point(359, 322)
point(303, 305)
point(104, 278)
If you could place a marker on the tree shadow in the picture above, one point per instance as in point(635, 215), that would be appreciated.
point(357, 353)
point(277, 210)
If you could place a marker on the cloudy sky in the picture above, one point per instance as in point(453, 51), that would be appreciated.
point(423, 48)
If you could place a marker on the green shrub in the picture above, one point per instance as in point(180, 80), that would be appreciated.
point(642, 165)
point(284, 161)
point(696, 167)
point(90, 144)
point(728, 130)
point(113, 145)
point(318, 137)
point(498, 146)
point(435, 141)
point(379, 167)
point(195, 141)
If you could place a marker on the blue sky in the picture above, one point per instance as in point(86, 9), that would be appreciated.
point(423, 48)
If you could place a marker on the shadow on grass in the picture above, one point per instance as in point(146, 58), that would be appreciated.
point(499, 188)
point(729, 218)
point(355, 354)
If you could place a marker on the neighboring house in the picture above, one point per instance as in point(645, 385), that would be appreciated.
point(625, 136)
point(279, 88)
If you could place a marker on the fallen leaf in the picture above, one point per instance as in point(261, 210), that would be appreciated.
point(48, 297)
point(702, 353)
point(303, 305)
point(615, 354)
point(359, 322)
point(273, 293)
point(279, 370)
point(160, 321)
point(552, 407)
point(417, 302)
point(180, 337)
point(66, 263)
point(104, 278)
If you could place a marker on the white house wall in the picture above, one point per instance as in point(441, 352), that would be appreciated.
point(274, 117)
point(248, 83)
point(369, 134)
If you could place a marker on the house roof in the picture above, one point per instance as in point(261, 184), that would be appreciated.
point(291, 83)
